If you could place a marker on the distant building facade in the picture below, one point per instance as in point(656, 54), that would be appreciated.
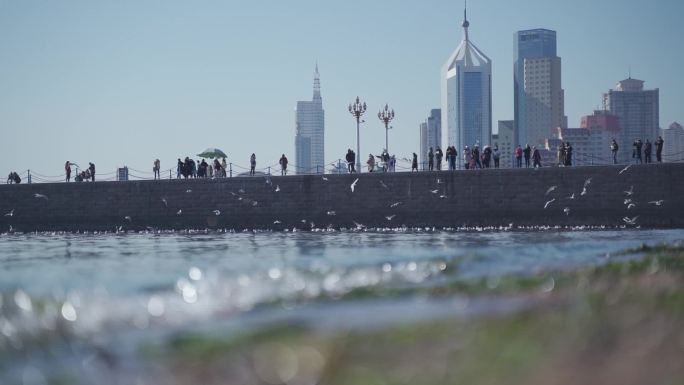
point(638, 112)
point(539, 99)
point(505, 139)
point(673, 149)
point(430, 135)
point(310, 133)
point(467, 96)
point(604, 128)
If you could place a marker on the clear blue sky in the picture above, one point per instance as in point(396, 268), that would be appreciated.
point(125, 82)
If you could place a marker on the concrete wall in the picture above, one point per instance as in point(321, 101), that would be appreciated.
point(462, 198)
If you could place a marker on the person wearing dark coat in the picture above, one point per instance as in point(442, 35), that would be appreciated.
point(647, 151)
point(414, 163)
point(92, 172)
point(526, 153)
point(636, 154)
point(659, 149)
point(536, 157)
point(431, 160)
point(568, 154)
point(351, 159)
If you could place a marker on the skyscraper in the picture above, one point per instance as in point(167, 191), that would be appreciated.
point(467, 95)
point(538, 95)
point(673, 149)
point(430, 135)
point(310, 132)
point(637, 111)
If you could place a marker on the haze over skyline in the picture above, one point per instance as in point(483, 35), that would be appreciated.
point(128, 82)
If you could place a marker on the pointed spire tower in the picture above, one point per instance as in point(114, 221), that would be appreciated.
point(310, 132)
point(317, 85)
point(467, 95)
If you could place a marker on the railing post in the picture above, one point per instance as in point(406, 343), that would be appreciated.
point(29, 176)
point(170, 175)
point(231, 169)
point(269, 170)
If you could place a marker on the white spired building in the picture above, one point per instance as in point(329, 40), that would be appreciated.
point(310, 133)
point(467, 96)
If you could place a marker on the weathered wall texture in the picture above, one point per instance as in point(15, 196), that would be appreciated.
point(444, 199)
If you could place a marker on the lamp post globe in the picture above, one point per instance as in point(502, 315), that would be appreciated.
point(386, 115)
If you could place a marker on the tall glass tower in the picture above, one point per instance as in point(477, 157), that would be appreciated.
point(538, 95)
point(310, 132)
point(467, 95)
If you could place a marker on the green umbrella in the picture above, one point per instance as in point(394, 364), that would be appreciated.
point(212, 153)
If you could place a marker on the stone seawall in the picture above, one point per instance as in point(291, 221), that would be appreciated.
point(439, 199)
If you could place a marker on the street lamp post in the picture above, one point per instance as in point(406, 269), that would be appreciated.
point(386, 116)
point(357, 110)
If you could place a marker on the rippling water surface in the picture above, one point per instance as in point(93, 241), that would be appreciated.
point(120, 289)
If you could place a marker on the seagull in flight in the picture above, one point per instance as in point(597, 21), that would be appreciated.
point(358, 225)
point(584, 191)
point(549, 203)
point(277, 222)
point(217, 212)
point(625, 169)
point(331, 213)
point(443, 197)
point(353, 185)
point(393, 205)
point(165, 202)
point(628, 201)
point(325, 179)
point(550, 190)
point(241, 191)
point(277, 188)
point(389, 218)
point(255, 203)
point(40, 196)
point(188, 191)
point(630, 192)
point(631, 206)
point(434, 191)
point(128, 218)
point(439, 181)
point(566, 211)
point(572, 196)
point(587, 183)
point(10, 214)
point(657, 203)
point(630, 221)
point(179, 212)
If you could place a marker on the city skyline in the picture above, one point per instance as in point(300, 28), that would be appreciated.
point(129, 83)
point(310, 132)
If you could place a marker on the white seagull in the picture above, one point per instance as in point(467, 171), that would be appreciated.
point(657, 203)
point(584, 191)
point(9, 214)
point(630, 192)
point(40, 196)
point(165, 202)
point(389, 218)
point(217, 212)
point(550, 190)
point(566, 211)
point(331, 213)
point(439, 181)
point(179, 212)
point(255, 203)
point(624, 169)
point(188, 191)
point(628, 201)
point(241, 191)
point(277, 222)
point(572, 196)
point(443, 197)
point(630, 221)
point(393, 205)
point(325, 179)
point(277, 188)
point(128, 218)
point(434, 191)
point(358, 225)
point(353, 185)
point(631, 206)
point(587, 182)
point(549, 203)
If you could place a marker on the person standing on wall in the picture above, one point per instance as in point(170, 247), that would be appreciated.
point(568, 154)
point(648, 148)
point(536, 157)
point(67, 169)
point(659, 149)
point(431, 160)
point(496, 155)
point(92, 171)
point(252, 164)
point(614, 149)
point(414, 163)
point(518, 156)
point(438, 158)
point(283, 165)
point(527, 152)
point(155, 168)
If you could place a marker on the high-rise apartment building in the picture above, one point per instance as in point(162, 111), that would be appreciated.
point(505, 139)
point(310, 133)
point(539, 99)
point(673, 149)
point(637, 111)
point(467, 96)
point(430, 135)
